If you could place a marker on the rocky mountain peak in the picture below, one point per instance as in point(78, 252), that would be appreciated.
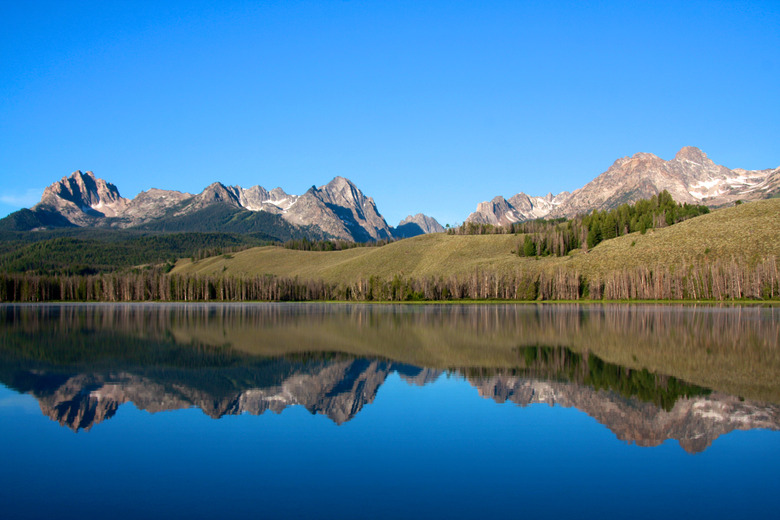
point(520, 207)
point(340, 182)
point(278, 193)
point(692, 154)
point(339, 209)
point(218, 192)
point(418, 224)
point(82, 197)
point(342, 191)
point(84, 189)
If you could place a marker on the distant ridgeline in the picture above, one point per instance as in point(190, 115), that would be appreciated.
point(558, 237)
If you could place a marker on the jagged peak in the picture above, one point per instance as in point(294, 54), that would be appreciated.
point(693, 154)
point(410, 218)
point(83, 184)
point(278, 192)
point(340, 183)
point(80, 174)
point(215, 185)
point(340, 180)
point(644, 155)
point(218, 192)
point(637, 157)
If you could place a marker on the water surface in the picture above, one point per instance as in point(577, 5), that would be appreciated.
point(374, 411)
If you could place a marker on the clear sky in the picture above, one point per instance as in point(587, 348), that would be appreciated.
point(427, 106)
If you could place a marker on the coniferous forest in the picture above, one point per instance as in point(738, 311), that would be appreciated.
point(558, 237)
point(718, 280)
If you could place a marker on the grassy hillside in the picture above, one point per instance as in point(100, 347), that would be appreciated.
point(749, 230)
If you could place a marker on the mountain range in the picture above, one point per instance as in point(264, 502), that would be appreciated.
point(340, 388)
point(691, 177)
point(340, 210)
point(337, 210)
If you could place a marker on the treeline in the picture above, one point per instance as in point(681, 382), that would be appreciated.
point(304, 244)
point(558, 237)
point(718, 280)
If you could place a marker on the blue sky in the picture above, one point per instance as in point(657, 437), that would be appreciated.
point(427, 106)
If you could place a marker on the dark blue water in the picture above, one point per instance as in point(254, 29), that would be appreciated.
point(354, 437)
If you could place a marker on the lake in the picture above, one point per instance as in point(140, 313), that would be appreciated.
point(388, 411)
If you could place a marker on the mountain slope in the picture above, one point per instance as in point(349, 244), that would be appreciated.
point(500, 211)
point(748, 230)
point(340, 209)
point(82, 199)
point(336, 210)
point(226, 218)
point(691, 177)
point(415, 225)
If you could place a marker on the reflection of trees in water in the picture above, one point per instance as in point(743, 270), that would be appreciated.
point(686, 323)
point(733, 349)
point(82, 362)
point(636, 405)
point(561, 364)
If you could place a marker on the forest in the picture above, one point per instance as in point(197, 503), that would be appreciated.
point(718, 280)
point(558, 237)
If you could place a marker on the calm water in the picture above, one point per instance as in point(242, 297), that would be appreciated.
point(344, 411)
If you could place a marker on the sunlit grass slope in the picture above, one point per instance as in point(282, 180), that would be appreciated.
point(748, 230)
point(426, 255)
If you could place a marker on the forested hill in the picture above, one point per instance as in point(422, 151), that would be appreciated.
point(560, 236)
point(92, 251)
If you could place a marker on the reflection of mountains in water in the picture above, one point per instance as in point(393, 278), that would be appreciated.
point(338, 389)
point(731, 350)
point(637, 406)
point(83, 361)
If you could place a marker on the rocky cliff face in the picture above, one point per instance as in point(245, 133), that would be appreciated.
point(340, 209)
point(691, 177)
point(501, 212)
point(83, 199)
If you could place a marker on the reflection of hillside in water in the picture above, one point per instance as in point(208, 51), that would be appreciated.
point(82, 362)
